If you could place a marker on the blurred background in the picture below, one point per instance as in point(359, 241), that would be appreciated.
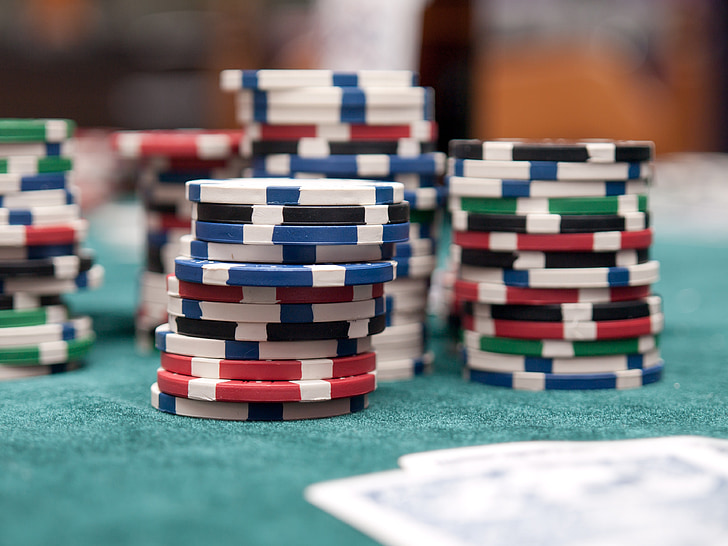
point(653, 69)
point(633, 69)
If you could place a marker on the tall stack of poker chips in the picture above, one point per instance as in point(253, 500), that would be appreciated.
point(167, 159)
point(551, 241)
point(275, 298)
point(40, 259)
point(357, 125)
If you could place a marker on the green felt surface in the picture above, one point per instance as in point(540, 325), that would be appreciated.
point(86, 460)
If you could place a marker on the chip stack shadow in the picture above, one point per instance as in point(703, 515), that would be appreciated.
point(166, 160)
point(369, 124)
point(276, 295)
point(41, 230)
point(551, 253)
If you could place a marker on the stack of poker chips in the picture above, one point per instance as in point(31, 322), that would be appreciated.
point(551, 242)
point(357, 125)
point(40, 259)
point(167, 159)
point(276, 296)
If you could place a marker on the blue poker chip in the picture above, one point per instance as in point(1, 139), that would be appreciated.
point(426, 198)
point(40, 215)
point(254, 234)
point(234, 80)
point(415, 266)
point(286, 191)
point(621, 380)
point(358, 165)
point(250, 274)
point(37, 182)
point(549, 170)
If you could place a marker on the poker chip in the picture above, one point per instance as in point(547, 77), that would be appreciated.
point(264, 234)
point(275, 191)
point(549, 223)
point(36, 130)
point(40, 198)
point(250, 274)
point(234, 80)
point(499, 188)
point(36, 251)
point(283, 313)
point(13, 183)
point(571, 330)
point(319, 147)
point(18, 336)
point(587, 277)
point(555, 348)
point(257, 411)
point(48, 352)
point(502, 294)
point(415, 247)
point(551, 261)
point(190, 143)
point(27, 301)
point(502, 363)
point(33, 317)
point(36, 149)
point(613, 204)
point(283, 254)
point(371, 106)
point(276, 331)
point(621, 380)
point(415, 266)
point(426, 198)
point(359, 165)
point(28, 164)
point(301, 215)
point(230, 390)
point(588, 151)
point(549, 170)
point(57, 267)
point(90, 279)
point(343, 132)
point(568, 312)
point(270, 370)
point(568, 242)
point(405, 368)
point(532, 259)
point(171, 342)
point(39, 216)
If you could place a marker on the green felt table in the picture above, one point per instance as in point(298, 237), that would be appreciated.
point(86, 460)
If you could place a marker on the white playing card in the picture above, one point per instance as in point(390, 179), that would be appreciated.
point(667, 491)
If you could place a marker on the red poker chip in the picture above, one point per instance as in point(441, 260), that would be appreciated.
point(269, 370)
point(573, 330)
point(222, 390)
point(567, 242)
point(264, 294)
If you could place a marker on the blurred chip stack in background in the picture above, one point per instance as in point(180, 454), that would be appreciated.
point(369, 124)
point(166, 160)
point(41, 258)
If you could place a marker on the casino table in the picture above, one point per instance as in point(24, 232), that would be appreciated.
point(87, 460)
